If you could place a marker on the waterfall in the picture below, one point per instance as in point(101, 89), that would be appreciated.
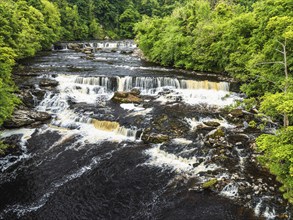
point(114, 127)
point(191, 84)
point(105, 125)
point(190, 91)
point(150, 85)
point(129, 44)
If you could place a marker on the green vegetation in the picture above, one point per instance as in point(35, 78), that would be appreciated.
point(3, 148)
point(250, 40)
point(28, 26)
point(24, 31)
point(210, 183)
point(278, 157)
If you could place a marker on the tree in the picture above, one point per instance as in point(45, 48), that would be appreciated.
point(7, 99)
point(95, 30)
point(278, 157)
point(127, 20)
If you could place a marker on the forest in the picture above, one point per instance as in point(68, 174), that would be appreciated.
point(251, 41)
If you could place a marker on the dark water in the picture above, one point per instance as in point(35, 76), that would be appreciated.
point(71, 170)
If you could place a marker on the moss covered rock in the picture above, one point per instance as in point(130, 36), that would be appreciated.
point(126, 97)
point(210, 183)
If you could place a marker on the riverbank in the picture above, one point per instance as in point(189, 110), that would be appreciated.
point(177, 144)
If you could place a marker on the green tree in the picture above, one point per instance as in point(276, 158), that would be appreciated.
point(127, 20)
point(278, 157)
point(7, 99)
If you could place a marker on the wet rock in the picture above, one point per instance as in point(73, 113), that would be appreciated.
point(154, 138)
point(87, 52)
point(238, 138)
point(73, 46)
point(135, 92)
point(126, 97)
point(48, 83)
point(126, 51)
point(12, 145)
point(58, 46)
point(237, 113)
point(22, 118)
point(27, 98)
point(283, 216)
point(138, 53)
point(39, 94)
point(216, 133)
point(212, 123)
point(204, 127)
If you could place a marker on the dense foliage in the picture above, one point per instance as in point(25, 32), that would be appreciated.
point(28, 26)
point(250, 40)
point(107, 18)
point(278, 157)
point(224, 37)
point(24, 31)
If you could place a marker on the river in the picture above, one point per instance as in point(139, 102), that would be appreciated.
point(93, 160)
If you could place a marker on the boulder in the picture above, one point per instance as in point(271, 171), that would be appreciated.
point(135, 92)
point(73, 46)
point(126, 51)
point(11, 145)
point(48, 83)
point(237, 138)
point(154, 138)
point(212, 124)
point(126, 97)
point(203, 127)
point(27, 98)
point(216, 133)
point(22, 118)
point(87, 52)
point(237, 113)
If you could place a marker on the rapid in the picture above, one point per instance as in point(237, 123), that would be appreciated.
point(99, 159)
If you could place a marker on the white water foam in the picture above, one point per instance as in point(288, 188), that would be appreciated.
point(194, 123)
point(181, 141)
point(200, 96)
point(261, 210)
point(163, 159)
point(230, 190)
point(190, 91)
point(82, 124)
point(142, 112)
point(26, 133)
point(131, 106)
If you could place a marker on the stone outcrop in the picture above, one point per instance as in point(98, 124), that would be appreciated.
point(154, 138)
point(22, 118)
point(236, 113)
point(48, 83)
point(212, 124)
point(127, 97)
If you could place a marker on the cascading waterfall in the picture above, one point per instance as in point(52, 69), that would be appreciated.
point(190, 91)
point(58, 105)
point(94, 140)
point(150, 85)
point(115, 127)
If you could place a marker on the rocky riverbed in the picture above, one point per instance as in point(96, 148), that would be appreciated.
point(103, 134)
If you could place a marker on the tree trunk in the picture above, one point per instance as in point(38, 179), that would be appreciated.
point(286, 120)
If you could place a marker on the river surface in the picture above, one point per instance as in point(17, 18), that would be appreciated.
point(89, 162)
